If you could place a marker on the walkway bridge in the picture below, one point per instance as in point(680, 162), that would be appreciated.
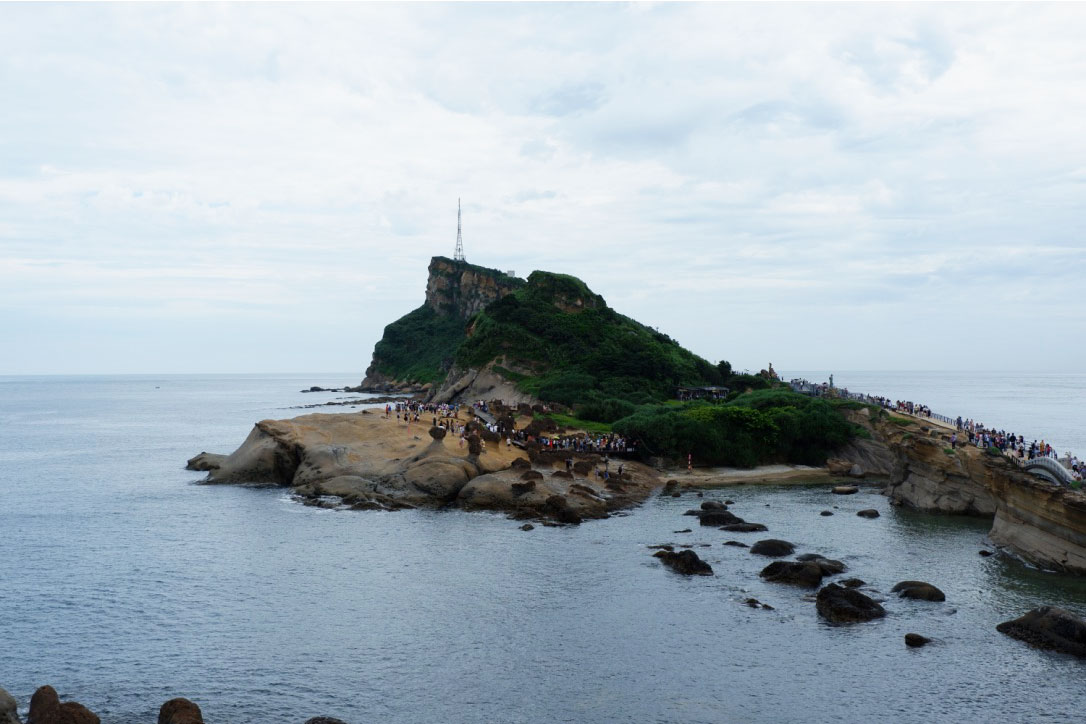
point(1049, 469)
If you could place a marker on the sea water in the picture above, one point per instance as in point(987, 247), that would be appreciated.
point(126, 582)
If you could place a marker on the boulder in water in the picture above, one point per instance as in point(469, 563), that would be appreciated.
point(918, 590)
point(1049, 627)
point(45, 708)
point(869, 513)
point(180, 711)
point(845, 490)
point(794, 573)
point(745, 528)
point(9, 709)
point(324, 720)
point(846, 605)
point(713, 505)
point(685, 562)
point(719, 517)
point(915, 640)
point(773, 548)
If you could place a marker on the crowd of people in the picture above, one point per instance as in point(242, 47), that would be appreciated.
point(968, 432)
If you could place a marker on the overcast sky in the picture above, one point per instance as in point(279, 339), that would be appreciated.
point(259, 188)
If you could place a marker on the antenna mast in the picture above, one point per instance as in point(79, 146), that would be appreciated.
point(459, 255)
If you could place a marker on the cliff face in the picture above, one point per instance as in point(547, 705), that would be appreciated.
point(416, 351)
point(1037, 520)
point(1045, 523)
point(458, 289)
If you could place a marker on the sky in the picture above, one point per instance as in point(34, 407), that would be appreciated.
point(191, 188)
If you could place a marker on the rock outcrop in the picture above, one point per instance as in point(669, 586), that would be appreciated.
point(795, 573)
point(1049, 627)
point(460, 289)
point(46, 708)
point(368, 462)
point(773, 548)
point(180, 711)
point(918, 590)
point(1040, 521)
point(685, 562)
point(846, 605)
point(9, 709)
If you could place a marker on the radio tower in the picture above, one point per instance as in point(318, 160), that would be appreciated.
point(459, 255)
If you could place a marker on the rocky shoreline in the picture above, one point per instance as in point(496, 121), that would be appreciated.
point(46, 708)
point(365, 461)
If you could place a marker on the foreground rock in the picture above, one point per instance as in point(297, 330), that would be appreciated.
point(1049, 627)
point(45, 708)
point(180, 711)
point(918, 590)
point(846, 605)
point(370, 462)
point(685, 562)
point(9, 709)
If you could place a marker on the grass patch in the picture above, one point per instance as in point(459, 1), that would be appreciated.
point(948, 450)
point(901, 421)
point(578, 424)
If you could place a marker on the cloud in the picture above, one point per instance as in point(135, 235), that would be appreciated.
point(873, 164)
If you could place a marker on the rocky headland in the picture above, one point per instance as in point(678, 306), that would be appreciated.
point(366, 460)
point(1039, 521)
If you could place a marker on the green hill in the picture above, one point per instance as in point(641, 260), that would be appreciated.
point(483, 333)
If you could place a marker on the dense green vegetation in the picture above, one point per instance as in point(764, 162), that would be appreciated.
point(583, 352)
point(419, 346)
point(756, 427)
point(556, 339)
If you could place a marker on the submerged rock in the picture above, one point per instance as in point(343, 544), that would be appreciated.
point(918, 590)
point(853, 582)
point(826, 513)
point(527, 526)
point(685, 562)
point(869, 513)
point(713, 505)
point(736, 544)
point(914, 640)
point(1049, 627)
point(846, 605)
point(324, 720)
point(773, 548)
point(745, 528)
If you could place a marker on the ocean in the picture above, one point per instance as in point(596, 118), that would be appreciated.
point(126, 582)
